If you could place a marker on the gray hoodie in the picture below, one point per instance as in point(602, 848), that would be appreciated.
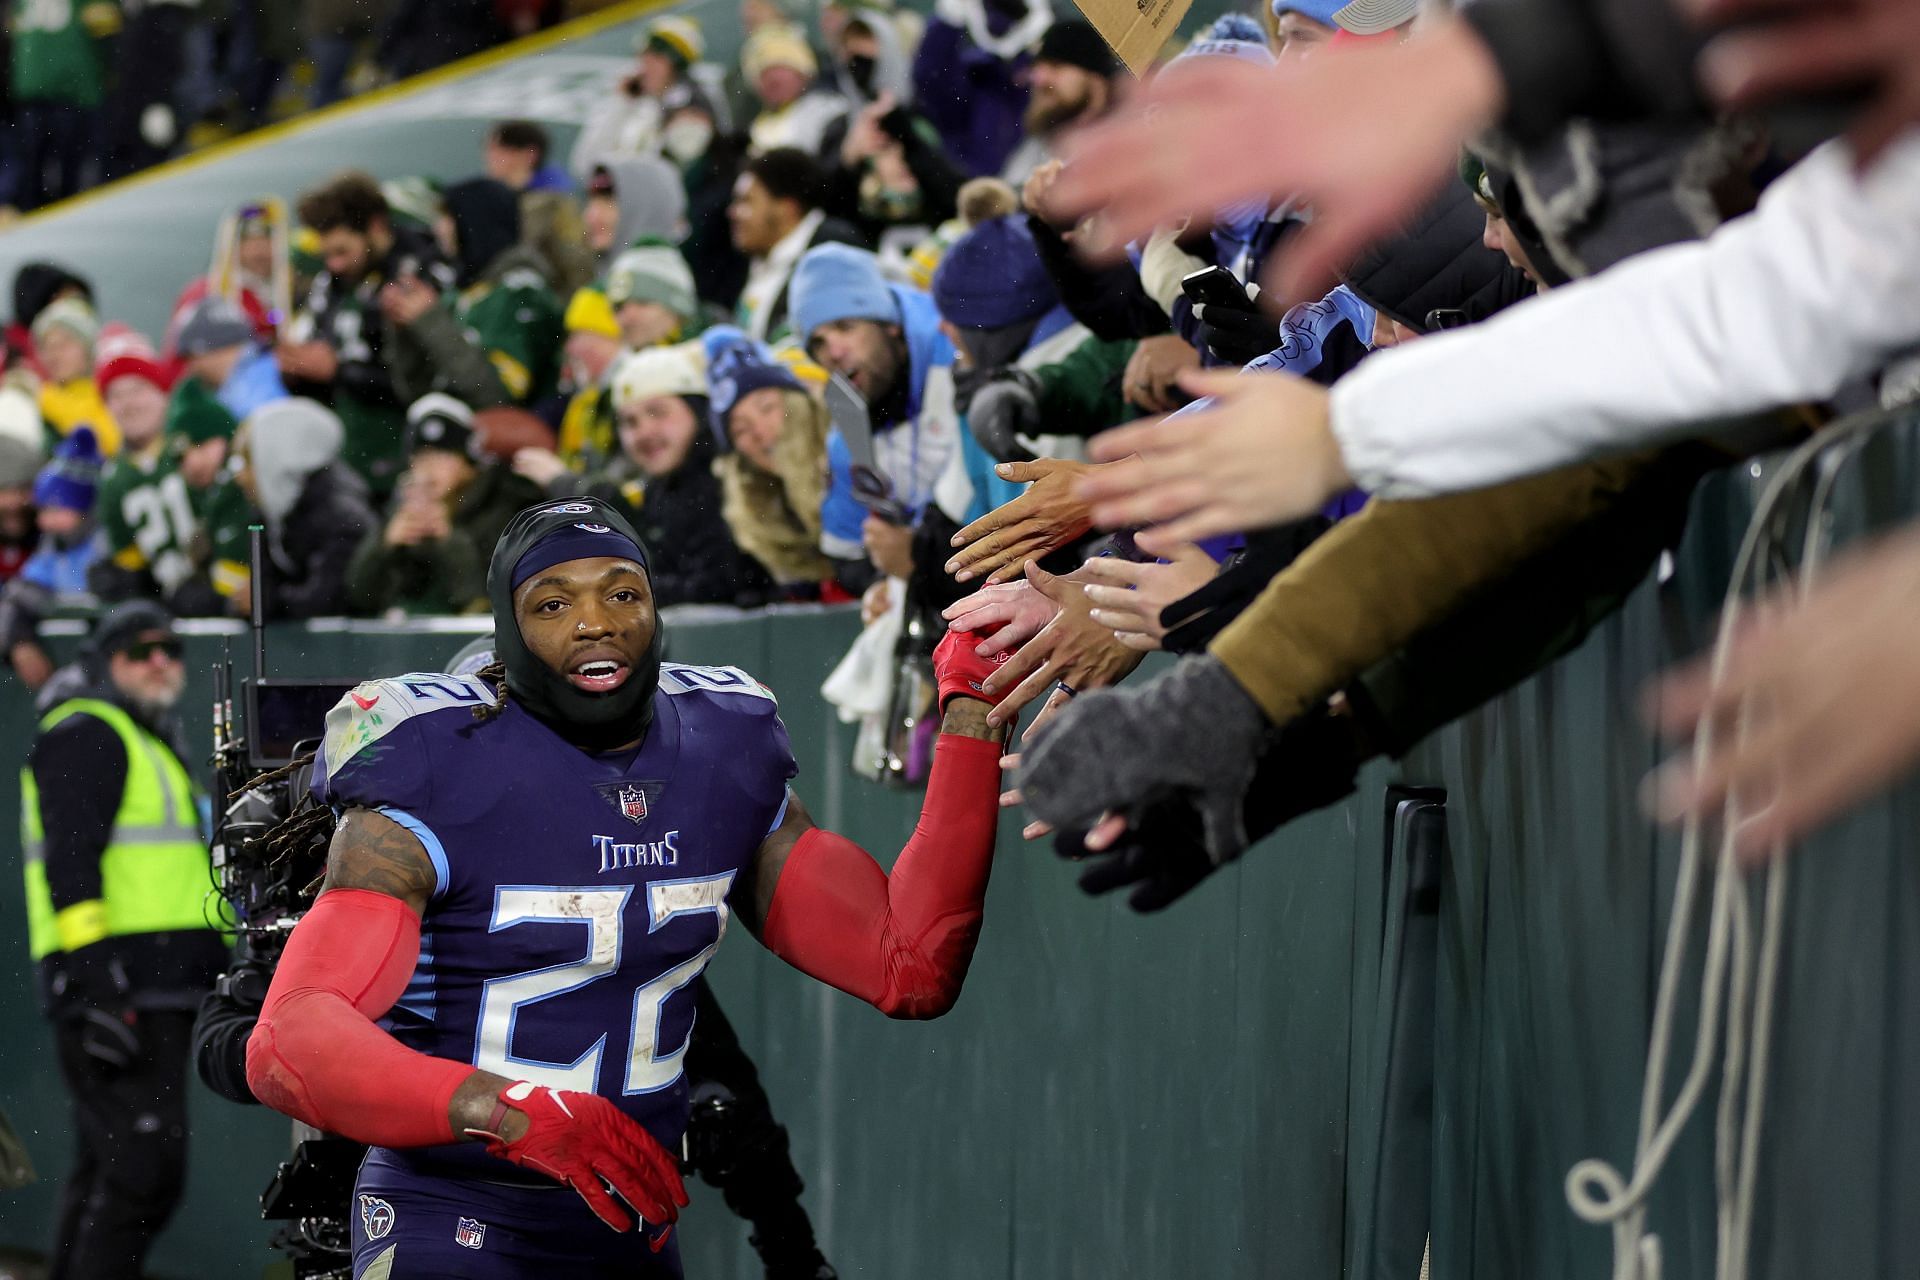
point(653, 203)
point(289, 440)
point(893, 72)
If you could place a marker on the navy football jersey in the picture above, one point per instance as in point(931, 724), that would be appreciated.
point(577, 896)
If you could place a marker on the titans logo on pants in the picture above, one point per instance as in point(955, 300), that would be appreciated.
point(376, 1216)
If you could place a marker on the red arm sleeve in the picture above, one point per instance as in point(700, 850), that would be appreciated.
point(316, 1054)
point(901, 942)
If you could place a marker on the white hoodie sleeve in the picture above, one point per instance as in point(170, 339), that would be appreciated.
point(1819, 285)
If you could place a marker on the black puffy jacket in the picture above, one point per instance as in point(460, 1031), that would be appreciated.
point(1438, 263)
point(692, 557)
point(312, 547)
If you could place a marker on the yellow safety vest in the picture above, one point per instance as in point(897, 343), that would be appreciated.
point(154, 875)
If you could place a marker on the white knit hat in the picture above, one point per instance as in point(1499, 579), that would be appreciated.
point(778, 45)
point(679, 370)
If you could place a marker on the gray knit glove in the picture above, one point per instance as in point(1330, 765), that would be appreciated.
point(1001, 411)
point(1192, 732)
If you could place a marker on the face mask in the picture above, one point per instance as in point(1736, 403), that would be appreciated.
point(686, 140)
point(861, 69)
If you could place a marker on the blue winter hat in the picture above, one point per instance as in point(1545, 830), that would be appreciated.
point(993, 277)
point(737, 366)
point(1233, 35)
point(1321, 11)
point(838, 282)
point(72, 478)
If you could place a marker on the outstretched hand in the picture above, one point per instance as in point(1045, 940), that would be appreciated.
point(1014, 608)
point(1192, 731)
point(1833, 683)
point(1389, 123)
point(1043, 519)
point(1129, 597)
point(1104, 833)
point(1071, 649)
point(1261, 454)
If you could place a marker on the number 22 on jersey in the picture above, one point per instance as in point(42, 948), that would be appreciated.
point(602, 912)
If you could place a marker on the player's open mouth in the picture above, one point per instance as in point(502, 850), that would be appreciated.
point(603, 675)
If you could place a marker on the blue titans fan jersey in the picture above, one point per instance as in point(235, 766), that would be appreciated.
point(578, 896)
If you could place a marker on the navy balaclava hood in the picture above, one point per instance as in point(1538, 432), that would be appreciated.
point(538, 538)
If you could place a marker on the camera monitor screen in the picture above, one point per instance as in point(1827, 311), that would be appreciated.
point(281, 714)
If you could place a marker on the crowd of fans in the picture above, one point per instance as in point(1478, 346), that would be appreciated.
point(983, 243)
point(98, 89)
point(384, 373)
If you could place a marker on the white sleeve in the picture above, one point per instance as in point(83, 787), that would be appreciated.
point(1819, 285)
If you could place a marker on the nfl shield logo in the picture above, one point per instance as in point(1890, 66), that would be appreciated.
point(633, 803)
point(470, 1234)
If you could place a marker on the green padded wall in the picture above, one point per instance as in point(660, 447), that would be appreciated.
point(1197, 1093)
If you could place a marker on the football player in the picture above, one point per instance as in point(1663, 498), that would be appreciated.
point(531, 867)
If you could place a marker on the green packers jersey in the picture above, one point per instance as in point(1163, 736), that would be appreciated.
point(56, 57)
point(348, 320)
point(148, 516)
point(225, 517)
point(519, 324)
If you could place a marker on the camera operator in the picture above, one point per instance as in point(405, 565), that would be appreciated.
point(117, 887)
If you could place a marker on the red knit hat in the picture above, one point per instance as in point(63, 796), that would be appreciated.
point(121, 352)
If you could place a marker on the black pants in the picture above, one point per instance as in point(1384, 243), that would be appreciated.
point(740, 1148)
point(130, 1165)
point(56, 145)
point(151, 57)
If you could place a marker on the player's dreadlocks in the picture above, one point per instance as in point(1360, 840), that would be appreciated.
point(309, 824)
point(494, 673)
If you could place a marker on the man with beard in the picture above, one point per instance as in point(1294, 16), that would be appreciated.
point(1072, 82)
point(886, 340)
point(334, 353)
point(573, 828)
point(117, 875)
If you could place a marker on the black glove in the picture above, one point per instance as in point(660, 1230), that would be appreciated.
point(1161, 854)
point(1195, 619)
point(1233, 335)
point(1006, 407)
point(1305, 765)
point(1192, 733)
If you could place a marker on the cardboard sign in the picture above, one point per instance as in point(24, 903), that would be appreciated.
point(1137, 29)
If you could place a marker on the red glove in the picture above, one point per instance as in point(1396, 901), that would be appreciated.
point(960, 671)
point(581, 1138)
